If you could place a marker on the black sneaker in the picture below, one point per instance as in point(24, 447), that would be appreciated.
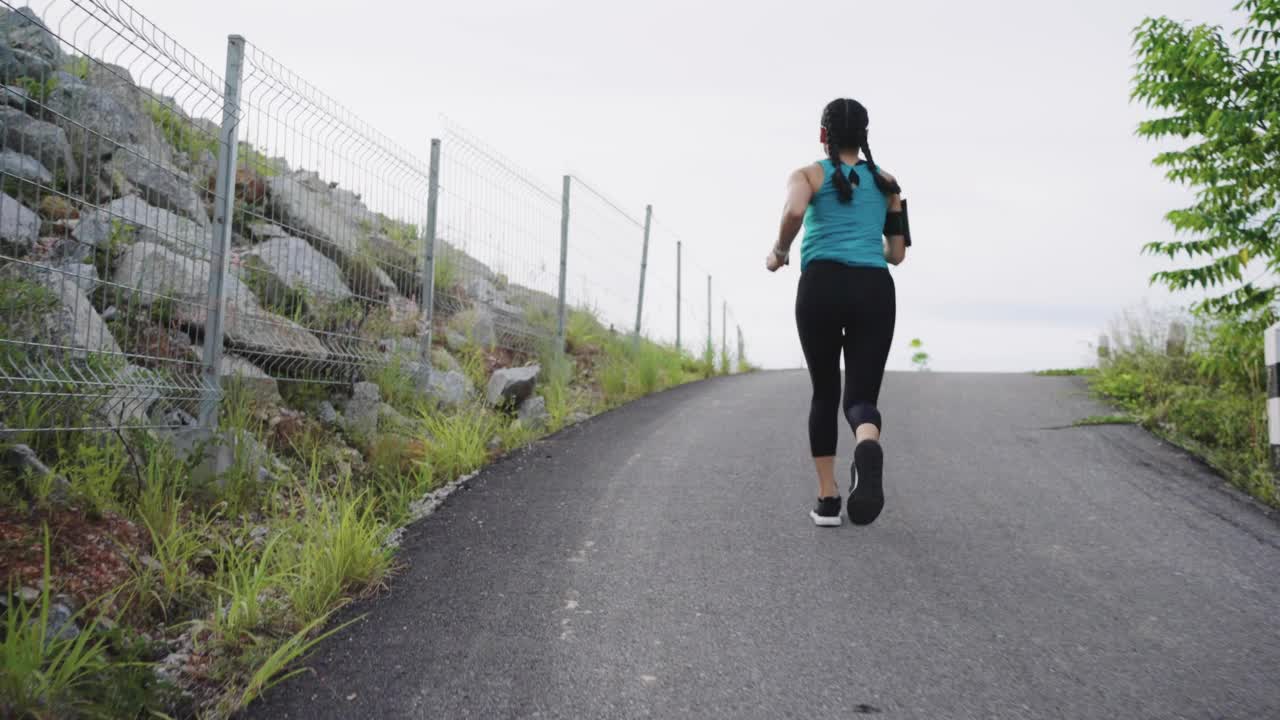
point(827, 512)
point(867, 499)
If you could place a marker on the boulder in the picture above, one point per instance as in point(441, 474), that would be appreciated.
point(24, 167)
point(455, 340)
point(510, 387)
point(293, 262)
point(32, 51)
point(263, 231)
point(449, 388)
point(57, 314)
point(45, 142)
point(84, 275)
point(308, 206)
point(130, 219)
point(133, 394)
point(164, 186)
point(157, 272)
point(327, 413)
point(14, 96)
point(360, 416)
point(104, 114)
point(23, 460)
point(19, 227)
point(533, 413)
point(476, 324)
point(239, 370)
point(213, 455)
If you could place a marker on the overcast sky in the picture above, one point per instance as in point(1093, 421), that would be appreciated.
point(1008, 125)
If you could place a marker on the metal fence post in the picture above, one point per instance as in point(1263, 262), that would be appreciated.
point(710, 333)
point(429, 252)
point(724, 327)
point(741, 349)
point(564, 261)
point(220, 233)
point(679, 288)
point(644, 266)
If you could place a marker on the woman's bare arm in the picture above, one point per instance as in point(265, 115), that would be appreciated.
point(799, 194)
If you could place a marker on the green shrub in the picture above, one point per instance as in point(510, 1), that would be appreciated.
point(1211, 399)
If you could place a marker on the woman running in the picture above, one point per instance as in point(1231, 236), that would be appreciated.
point(845, 301)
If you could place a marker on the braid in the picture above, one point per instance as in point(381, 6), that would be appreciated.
point(844, 188)
point(886, 186)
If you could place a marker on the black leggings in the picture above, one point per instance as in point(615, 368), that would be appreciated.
point(839, 307)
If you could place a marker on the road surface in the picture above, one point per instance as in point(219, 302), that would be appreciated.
point(658, 562)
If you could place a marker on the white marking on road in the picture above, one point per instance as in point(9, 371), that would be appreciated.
point(648, 679)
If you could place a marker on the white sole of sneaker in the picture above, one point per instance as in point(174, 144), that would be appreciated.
point(823, 520)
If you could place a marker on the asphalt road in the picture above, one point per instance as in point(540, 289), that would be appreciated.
point(658, 562)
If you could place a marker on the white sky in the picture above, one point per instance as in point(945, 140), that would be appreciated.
point(1008, 124)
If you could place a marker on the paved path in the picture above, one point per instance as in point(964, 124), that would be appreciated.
point(658, 562)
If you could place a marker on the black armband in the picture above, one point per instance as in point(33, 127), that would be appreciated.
point(895, 223)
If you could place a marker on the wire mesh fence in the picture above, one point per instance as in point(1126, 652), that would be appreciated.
point(328, 241)
point(103, 222)
point(497, 257)
point(164, 225)
point(605, 249)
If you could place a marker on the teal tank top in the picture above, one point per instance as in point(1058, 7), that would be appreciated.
point(852, 234)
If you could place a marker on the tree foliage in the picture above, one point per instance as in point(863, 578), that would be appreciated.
point(1220, 96)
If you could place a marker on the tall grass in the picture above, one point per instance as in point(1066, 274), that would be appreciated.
point(1211, 398)
point(42, 673)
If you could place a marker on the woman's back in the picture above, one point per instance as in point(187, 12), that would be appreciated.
point(849, 233)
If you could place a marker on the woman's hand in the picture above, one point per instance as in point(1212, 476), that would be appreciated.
point(776, 259)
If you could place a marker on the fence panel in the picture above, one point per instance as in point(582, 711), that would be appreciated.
point(104, 219)
point(330, 225)
point(498, 253)
point(605, 244)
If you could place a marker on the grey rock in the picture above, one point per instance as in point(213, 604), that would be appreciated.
point(133, 393)
point(578, 417)
point(69, 321)
point(533, 413)
point(391, 420)
point(104, 114)
point(480, 289)
point(293, 262)
point(510, 387)
point(307, 204)
point(22, 29)
point(477, 324)
point(28, 594)
point(494, 444)
point(84, 275)
point(449, 388)
point(156, 271)
point(237, 369)
point(455, 340)
point(327, 413)
point(19, 227)
point(23, 460)
point(172, 418)
point(61, 624)
point(215, 454)
point(45, 142)
point(24, 167)
point(131, 219)
point(360, 416)
point(16, 97)
point(165, 187)
point(110, 314)
point(262, 231)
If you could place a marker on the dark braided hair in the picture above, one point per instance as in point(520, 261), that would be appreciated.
point(846, 124)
